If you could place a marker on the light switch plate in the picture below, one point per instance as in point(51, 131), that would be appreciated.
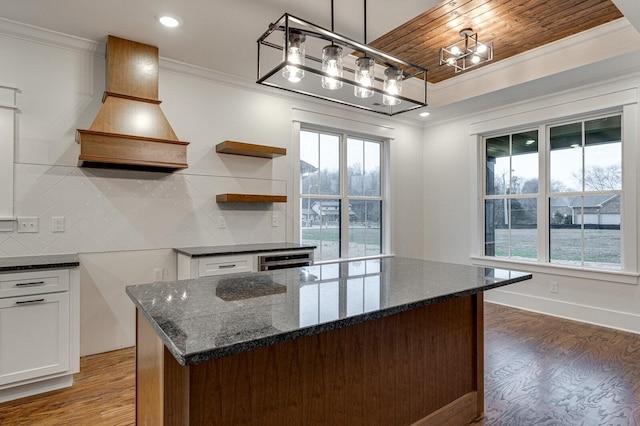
point(27, 224)
point(57, 224)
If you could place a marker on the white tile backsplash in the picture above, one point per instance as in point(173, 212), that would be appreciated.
point(113, 210)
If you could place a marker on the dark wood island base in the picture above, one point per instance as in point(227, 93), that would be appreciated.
point(423, 366)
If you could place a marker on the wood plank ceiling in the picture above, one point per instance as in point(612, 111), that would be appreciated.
point(514, 26)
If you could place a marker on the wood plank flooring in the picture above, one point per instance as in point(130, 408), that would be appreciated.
point(540, 370)
point(103, 394)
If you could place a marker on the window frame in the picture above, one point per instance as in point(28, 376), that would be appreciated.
point(484, 196)
point(344, 197)
point(628, 272)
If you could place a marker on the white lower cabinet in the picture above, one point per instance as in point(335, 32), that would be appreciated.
point(34, 336)
point(39, 333)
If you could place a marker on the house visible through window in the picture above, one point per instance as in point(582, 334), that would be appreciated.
point(341, 198)
point(580, 163)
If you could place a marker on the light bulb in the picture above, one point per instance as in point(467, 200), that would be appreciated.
point(455, 50)
point(169, 20)
point(365, 69)
point(475, 59)
point(481, 48)
point(393, 85)
point(451, 61)
point(294, 54)
point(332, 65)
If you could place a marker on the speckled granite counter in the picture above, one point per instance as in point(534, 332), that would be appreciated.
point(50, 261)
point(378, 342)
point(241, 249)
point(206, 318)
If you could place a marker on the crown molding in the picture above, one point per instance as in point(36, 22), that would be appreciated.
point(50, 38)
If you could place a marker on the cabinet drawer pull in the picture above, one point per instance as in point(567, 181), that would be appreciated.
point(26, 302)
point(32, 284)
point(227, 266)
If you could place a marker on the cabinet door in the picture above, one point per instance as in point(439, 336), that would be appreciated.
point(34, 336)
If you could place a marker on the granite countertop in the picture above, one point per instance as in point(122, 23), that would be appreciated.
point(242, 249)
point(48, 261)
point(211, 317)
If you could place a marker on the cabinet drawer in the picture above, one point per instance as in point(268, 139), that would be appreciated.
point(221, 265)
point(33, 282)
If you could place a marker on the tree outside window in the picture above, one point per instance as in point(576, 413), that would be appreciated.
point(583, 194)
point(341, 194)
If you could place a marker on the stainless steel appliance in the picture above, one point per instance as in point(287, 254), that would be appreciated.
point(283, 260)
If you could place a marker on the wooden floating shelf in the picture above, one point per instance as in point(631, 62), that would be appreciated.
point(250, 198)
point(250, 150)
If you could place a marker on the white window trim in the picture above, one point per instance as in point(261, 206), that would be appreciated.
point(324, 122)
point(8, 110)
point(542, 116)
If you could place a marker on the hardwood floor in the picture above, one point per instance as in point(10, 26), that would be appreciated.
point(540, 370)
point(103, 394)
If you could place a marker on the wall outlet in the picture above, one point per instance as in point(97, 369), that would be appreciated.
point(158, 275)
point(274, 220)
point(57, 224)
point(222, 224)
point(553, 286)
point(27, 224)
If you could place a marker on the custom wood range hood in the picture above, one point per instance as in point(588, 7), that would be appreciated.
point(130, 130)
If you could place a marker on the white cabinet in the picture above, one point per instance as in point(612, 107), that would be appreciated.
point(208, 263)
point(39, 331)
point(34, 336)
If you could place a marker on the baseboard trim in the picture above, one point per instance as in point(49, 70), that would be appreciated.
point(35, 388)
point(459, 412)
point(623, 321)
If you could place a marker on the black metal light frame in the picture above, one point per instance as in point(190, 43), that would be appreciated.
point(414, 93)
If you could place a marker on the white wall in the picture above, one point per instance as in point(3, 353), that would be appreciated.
point(124, 223)
point(452, 208)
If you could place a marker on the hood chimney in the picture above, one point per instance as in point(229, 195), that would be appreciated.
point(130, 129)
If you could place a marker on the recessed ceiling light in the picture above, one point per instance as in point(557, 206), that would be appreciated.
point(425, 114)
point(169, 20)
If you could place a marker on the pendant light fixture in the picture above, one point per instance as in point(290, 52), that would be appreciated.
point(332, 63)
point(365, 68)
point(301, 57)
point(466, 53)
point(294, 54)
point(393, 85)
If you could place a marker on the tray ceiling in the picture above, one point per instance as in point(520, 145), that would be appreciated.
point(513, 26)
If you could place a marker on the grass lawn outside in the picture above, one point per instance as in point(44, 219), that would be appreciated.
point(601, 246)
point(363, 241)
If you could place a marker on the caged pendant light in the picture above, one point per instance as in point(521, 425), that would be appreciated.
point(467, 52)
point(301, 57)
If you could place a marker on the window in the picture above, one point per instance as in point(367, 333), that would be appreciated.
point(585, 190)
point(511, 220)
point(341, 194)
point(556, 199)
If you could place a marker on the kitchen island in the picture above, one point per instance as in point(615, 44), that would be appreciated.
point(390, 341)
